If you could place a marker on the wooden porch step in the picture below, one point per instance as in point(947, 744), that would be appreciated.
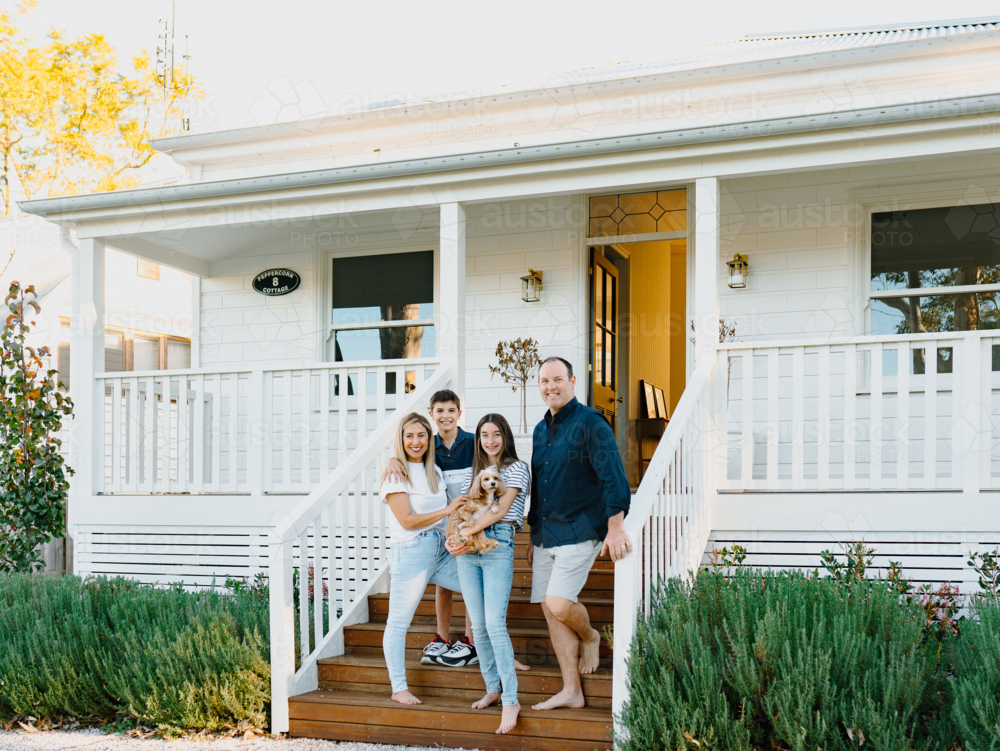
point(601, 610)
point(446, 721)
point(348, 673)
point(600, 580)
point(525, 640)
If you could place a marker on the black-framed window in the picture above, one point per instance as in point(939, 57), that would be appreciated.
point(919, 255)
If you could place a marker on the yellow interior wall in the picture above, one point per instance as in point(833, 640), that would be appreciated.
point(655, 327)
point(678, 323)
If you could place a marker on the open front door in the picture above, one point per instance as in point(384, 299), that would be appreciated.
point(604, 336)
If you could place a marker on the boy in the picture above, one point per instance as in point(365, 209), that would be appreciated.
point(453, 455)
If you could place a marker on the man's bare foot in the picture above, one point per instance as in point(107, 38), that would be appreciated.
point(590, 653)
point(509, 718)
point(521, 666)
point(570, 699)
point(405, 697)
point(491, 698)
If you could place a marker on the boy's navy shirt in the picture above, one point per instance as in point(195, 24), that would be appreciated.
point(459, 456)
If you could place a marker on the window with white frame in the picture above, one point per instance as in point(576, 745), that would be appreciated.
point(935, 270)
point(382, 308)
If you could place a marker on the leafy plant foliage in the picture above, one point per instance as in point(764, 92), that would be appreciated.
point(517, 361)
point(105, 648)
point(847, 659)
point(33, 477)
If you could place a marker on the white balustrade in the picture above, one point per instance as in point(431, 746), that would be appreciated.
point(180, 431)
point(669, 521)
point(332, 550)
point(269, 430)
point(917, 412)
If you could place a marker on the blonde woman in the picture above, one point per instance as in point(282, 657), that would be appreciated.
point(420, 509)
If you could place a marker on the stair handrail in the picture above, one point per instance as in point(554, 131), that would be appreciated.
point(668, 523)
point(296, 525)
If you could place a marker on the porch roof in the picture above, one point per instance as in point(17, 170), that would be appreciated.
point(858, 118)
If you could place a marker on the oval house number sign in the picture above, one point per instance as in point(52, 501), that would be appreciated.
point(274, 282)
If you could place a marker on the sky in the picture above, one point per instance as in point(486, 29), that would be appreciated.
point(263, 61)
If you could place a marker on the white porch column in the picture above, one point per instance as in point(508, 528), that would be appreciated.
point(451, 316)
point(706, 267)
point(86, 359)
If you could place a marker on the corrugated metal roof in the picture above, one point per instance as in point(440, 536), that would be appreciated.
point(758, 48)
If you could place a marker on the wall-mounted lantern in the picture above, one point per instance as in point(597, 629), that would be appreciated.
point(531, 285)
point(738, 269)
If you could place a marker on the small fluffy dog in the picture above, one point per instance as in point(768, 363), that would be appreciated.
point(485, 492)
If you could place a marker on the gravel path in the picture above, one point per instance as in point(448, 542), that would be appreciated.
point(95, 740)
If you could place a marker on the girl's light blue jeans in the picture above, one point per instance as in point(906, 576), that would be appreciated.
point(486, 581)
point(415, 563)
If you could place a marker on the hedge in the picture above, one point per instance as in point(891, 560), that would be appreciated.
point(765, 660)
point(109, 647)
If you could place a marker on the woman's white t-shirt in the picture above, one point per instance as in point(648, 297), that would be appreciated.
point(422, 500)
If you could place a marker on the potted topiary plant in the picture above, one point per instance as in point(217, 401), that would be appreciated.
point(516, 363)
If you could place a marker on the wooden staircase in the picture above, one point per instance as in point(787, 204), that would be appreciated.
point(353, 704)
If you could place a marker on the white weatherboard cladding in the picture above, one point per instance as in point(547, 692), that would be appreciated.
point(802, 233)
point(240, 327)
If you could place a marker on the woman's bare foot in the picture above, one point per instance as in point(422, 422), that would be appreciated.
point(571, 699)
point(491, 698)
point(509, 718)
point(521, 666)
point(405, 697)
point(590, 653)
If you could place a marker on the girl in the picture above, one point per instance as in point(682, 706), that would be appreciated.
point(420, 508)
point(486, 578)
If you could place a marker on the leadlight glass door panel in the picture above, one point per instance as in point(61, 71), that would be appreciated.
point(604, 336)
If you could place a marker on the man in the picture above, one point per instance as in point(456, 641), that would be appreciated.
point(579, 498)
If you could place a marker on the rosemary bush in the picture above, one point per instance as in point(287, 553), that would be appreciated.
point(782, 661)
point(92, 650)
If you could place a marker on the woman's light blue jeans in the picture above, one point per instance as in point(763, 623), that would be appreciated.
point(486, 581)
point(415, 563)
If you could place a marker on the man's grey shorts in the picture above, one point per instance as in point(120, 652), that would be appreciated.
point(562, 571)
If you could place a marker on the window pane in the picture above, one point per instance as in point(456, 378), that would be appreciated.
point(637, 213)
point(145, 353)
point(945, 247)
point(178, 354)
point(919, 315)
point(404, 342)
point(114, 351)
point(388, 287)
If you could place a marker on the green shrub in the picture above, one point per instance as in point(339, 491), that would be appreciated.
point(976, 687)
point(782, 661)
point(112, 646)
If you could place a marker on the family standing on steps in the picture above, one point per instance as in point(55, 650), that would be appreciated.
point(579, 498)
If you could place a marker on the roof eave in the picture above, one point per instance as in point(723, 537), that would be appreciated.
point(808, 123)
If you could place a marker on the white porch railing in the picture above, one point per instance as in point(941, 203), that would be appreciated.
point(870, 413)
point(669, 522)
point(335, 541)
point(270, 430)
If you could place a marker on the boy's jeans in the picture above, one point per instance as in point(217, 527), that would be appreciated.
point(486, 581)
point(415, 563)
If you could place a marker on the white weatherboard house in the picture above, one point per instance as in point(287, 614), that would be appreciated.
point(857, 174)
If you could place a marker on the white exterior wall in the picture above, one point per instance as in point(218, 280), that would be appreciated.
point(804, 236)
point(240, 328)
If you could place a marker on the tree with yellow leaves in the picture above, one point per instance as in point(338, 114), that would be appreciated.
point(70, 120)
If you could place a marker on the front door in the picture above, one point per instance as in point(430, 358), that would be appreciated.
point(604, 335)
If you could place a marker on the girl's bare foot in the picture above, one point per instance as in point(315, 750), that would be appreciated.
point(491, 698)
point(509, 718)
point(405, 697)
point(571, 699)
point(521, 666)
point(590, 653)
